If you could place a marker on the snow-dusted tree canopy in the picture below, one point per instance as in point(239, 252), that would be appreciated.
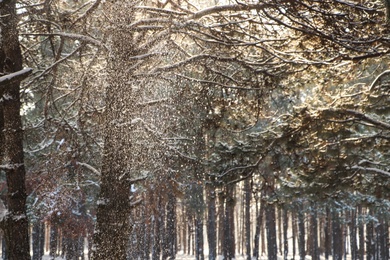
point(158, 129)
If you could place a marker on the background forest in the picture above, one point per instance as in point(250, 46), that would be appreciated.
point(145, 129)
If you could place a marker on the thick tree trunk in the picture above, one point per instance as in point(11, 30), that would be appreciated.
point(112, 230)
point(211, 222)
point(15, 225)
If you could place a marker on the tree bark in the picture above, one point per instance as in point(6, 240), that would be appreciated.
point(247, 190)
point(114, 205)
point(285, 233)
point(15, 224)
point(211, 222)
point(301, 233)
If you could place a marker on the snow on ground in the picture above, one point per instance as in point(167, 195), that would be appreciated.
point(189, 257)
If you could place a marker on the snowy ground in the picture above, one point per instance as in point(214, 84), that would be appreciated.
point(188, 257)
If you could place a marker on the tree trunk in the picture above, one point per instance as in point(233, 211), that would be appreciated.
point(337, 237)
point(247, 190)
point(314, 234)
point(270, 220)
point(294, 232)
point(301, 233)
point(285, 234)
point(38, 239)
point(270, 214)
point(15, 226)
point(257, 230)
point(170, 233)
point(53, 240)
point(327, 232)
point(361, 251)
point(228, 227)
point(199, 252)
point(211, 222)
point(353, 234)
point(113, 209)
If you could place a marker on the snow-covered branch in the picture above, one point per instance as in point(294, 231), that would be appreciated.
point(371, 169)
point(15, 77)
point(227, 8)
point(359, 116)
point(10, 166)
point(89, 167)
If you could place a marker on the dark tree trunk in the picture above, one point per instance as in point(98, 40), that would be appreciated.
point(314, 234)
point(270, 220)
point(301, 233)
point(337, 237)
point(199, 251)
point(53, 240)
point(370, 243)
point(361, 251)
point(211, 222)
point(327, 233)
point(221, 223)
point(270, 214)
point(170, 233)
point(353, 234)
point(228, 227)
point(38, 240)
point(247, 190)
point(15, 225)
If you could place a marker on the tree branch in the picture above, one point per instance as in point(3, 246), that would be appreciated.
point(15, 77)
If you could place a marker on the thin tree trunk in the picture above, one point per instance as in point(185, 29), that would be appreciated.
point(270, 219)
point(314, 234)
point(327, 233)
point(211, 222)
point(247, 190)
point(285, 233)
point(337, 237)
point(15, 225)
point(199, 252)
point(353, 234)
point(294, 232)
point(361, 250)
point(301, 233)
point(170, 235)
point(256, 243)
point(270, 214)
point(53, 240)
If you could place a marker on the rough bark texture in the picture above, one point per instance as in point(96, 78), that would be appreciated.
point(16, 223)
point(113, 225)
